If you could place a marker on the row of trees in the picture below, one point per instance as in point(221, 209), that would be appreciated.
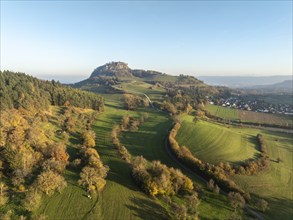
point(127, 123)
point(154, 177)
point(124, 154)
point(20, 91)
point(93, 174)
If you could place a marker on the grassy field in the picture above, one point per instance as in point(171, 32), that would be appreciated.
point(265, 118)
point(250, 116)
point(214, 142)
point(222, 112)
point(122, 198)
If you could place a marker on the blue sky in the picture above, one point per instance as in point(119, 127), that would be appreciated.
point(192, 37)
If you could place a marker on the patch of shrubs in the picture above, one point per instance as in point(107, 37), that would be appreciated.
point(156, 178)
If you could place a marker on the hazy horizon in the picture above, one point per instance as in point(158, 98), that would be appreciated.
point(68, 79)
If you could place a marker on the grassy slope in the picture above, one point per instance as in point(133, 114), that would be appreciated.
point(274, 185)
point(214, 143)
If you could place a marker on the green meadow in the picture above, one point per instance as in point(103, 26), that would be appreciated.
point(213, 143)
point(122, 198)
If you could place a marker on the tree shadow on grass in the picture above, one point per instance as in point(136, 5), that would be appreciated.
point(147, 209)
point(251, 139)
point(120, 172)
point(115, 106)
point(216, 200)
point(279, 208)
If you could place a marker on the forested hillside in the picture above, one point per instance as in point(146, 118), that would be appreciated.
point(18, 90)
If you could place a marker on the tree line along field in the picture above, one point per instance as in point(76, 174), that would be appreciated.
point(238, 144)
point(122, 198)
point(249, 116)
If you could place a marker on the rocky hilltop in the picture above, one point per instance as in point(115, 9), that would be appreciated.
point(121, 69)
point(117, 69)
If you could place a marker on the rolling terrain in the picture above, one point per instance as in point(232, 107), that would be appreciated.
point(121, 193)
point(215, 142)
point(119, 92)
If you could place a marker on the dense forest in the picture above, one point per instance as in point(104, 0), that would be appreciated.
point(18, 90)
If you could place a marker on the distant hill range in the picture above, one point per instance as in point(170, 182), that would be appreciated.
point(282, 87)
point(243, 81)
